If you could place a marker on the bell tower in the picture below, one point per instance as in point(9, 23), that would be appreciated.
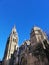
point(11, 46)
point(14, 40)
point(37, 35)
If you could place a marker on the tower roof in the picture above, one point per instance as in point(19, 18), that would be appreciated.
point(14, 29)
point(35, 28)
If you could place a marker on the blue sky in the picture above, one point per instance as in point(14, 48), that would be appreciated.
point(24, 14)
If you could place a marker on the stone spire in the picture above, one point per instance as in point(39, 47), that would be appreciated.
point(14, 36)
point(11, 46)
point(14, 29)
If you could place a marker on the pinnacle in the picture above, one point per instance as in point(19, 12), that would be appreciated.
point(14, 29)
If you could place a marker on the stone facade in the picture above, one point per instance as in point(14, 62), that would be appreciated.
point(33, 55)
point(32, 52)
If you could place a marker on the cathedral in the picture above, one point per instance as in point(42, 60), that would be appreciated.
point(34, 51)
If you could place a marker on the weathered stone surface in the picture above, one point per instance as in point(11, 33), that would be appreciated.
point(34, 56)
point(32, 52)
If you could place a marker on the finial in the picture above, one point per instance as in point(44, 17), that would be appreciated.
point(14, 29)
point(14, 26)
